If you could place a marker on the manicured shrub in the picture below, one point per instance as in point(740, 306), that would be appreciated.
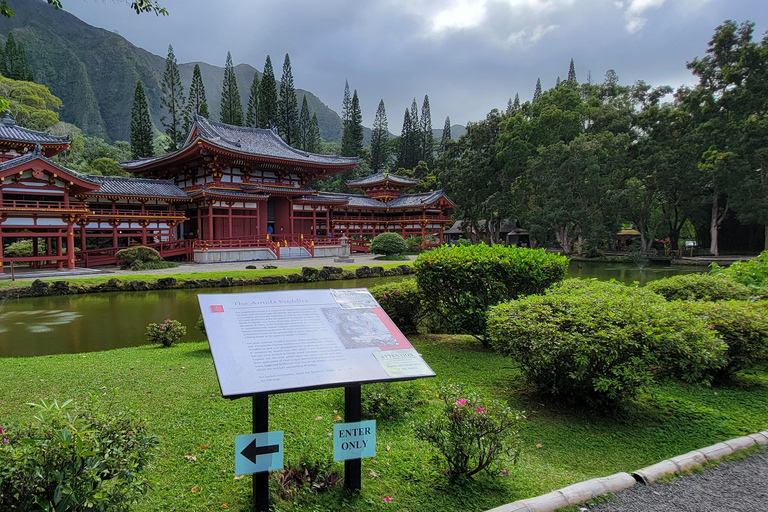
point(699, 287)
point(402, 303)
point(200, 326)
point(472, 434)
point(461, 283)
point(413, 243)
point(74, 460)
point(743, 326)
point(752, 273)
point(390, 400)
point(388, 243)
point(135, 256)
point(166, 333)
point(602, 342)
point(154, 265)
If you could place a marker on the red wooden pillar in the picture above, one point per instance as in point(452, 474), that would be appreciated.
point(70, 246)
point(199, 223)
point(59, 252)
point(210, 221)
point(83, 247)
point(229, 221)
point(1, 251)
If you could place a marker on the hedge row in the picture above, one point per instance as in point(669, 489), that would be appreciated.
point(40, 288)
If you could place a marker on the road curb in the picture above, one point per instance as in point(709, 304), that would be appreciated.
point(589, 489)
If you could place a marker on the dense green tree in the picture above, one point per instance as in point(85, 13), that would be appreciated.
point(32, 105)
point(346, 106)
point(252, 112)
point(141, 125)
point(173, 100)
point(197, 105)
point(516, 103)
point(444, 140)
point(425, 128)
point(537, 90)
point(139, 6)
point(379, 137)
point(16, 64)
point(231, 107)
point(352, 138)
point(287, 108)
point(267, 96)
point(571, 80)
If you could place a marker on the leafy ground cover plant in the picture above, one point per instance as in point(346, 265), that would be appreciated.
point(752, 273)
point(697, 286)
point(461, 283)
point(472, 434)
point(402, 303)
point(70, 460)
point(166, 333)
point(602, 343)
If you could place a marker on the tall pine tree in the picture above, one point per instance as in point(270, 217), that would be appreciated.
point(231, 108)
point(288, 108)
point(267, 96)
point(537, 91)
point(16, 64)
point(197, 105)
point(446, 134)
point(427, 142)
point(352, 138)
point(516, 103)
point(173, 100)
point(405, 150)
point(305, 125)
point(252, 112)
point(379, 138)
point(346, 105)
point(571, 80)
point(141, 125)
point(314, 141)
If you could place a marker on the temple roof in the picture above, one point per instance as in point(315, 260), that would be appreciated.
point(10, 131)
point(228, 193)
point(136, 187)
point(245, 140)
point(414, 200)
point(37, 155)
point(381, 177)
point(406, 201)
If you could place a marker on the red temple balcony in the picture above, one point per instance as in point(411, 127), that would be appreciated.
point(26, 206)
point(337, 217)
point(126, 214)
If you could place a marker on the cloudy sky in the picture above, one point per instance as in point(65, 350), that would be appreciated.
point(469, 56)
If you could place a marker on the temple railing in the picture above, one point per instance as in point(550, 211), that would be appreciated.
point(13, 204)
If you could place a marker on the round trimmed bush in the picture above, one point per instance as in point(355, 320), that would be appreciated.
point(699, 287)
point(133, 257)
point(388, 243)
point(601, 342)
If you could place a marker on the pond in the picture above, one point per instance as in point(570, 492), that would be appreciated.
point(101, 321)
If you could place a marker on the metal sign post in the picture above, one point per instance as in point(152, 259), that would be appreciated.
point(353, 468)
point(261, 480)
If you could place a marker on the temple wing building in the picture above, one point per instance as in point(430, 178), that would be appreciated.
point(229, 193)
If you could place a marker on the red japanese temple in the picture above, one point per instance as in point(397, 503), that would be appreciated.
point(229, 194)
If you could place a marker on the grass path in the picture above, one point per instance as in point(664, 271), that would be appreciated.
point(177, 392)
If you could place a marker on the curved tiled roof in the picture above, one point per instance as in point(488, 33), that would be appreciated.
point(380, 177)
point(136, 187)
point(37, 155)
point(10, 131)
point(227, 192)
point(414, 200)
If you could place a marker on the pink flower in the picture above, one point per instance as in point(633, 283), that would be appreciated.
point(384, 295)
point(461, 402)
point(1, 431)
point(5, 441)
point(504, 472)
point(386, 499)
point(480, 409)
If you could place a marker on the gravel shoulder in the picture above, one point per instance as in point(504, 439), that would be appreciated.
point(731, 486)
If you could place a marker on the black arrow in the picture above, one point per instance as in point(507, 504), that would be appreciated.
point(252, 451)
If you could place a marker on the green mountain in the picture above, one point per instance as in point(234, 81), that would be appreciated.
point(94, 72)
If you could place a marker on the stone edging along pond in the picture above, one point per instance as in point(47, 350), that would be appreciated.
point(589, 489)
point(40, 288)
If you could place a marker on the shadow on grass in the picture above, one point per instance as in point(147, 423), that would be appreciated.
point(203, 352)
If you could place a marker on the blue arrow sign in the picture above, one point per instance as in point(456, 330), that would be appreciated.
point(256, 453)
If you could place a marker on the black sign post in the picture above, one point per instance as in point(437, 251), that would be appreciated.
point(353, 468)
point(260, 480)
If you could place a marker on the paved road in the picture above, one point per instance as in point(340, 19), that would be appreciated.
point(736, 486)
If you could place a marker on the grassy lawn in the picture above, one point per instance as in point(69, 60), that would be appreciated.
point(177, 392)
point(181, 277)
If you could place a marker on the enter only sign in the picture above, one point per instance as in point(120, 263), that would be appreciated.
point(354, 440)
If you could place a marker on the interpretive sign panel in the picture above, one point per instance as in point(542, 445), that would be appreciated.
point(354, 440)
point(273, 342)
point(256, 453)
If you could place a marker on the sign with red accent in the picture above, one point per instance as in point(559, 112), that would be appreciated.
point(274, 342)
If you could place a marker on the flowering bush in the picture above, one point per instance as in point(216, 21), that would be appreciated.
point(69, 460)
point(166, 333)
point(471, 433)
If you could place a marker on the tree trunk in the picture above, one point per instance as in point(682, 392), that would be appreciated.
point(714, 227)
point(565, 241)
point(765, 246)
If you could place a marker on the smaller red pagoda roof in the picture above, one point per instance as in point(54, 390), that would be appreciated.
point(37, 160)
point(382, 178)
point(117, 186)
point(11, 132)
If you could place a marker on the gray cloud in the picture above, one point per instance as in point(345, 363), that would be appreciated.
point(469, 56)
